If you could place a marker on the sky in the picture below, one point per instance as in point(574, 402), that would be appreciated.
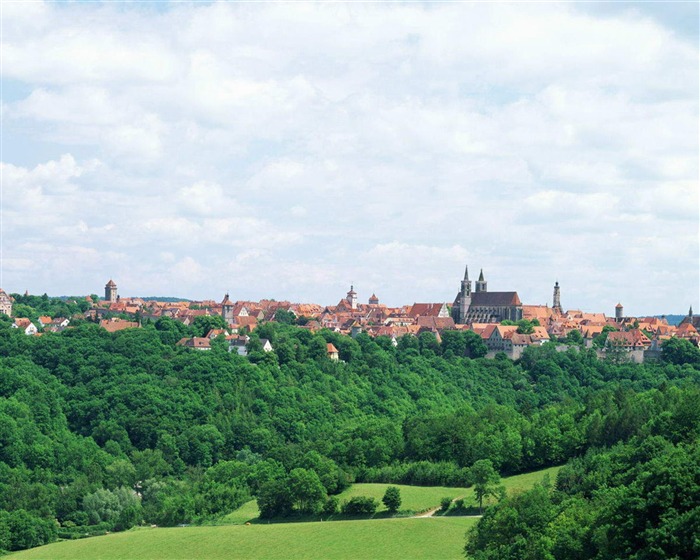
point(288, 150)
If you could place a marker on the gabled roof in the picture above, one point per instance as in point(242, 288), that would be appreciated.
point(495, 299)
point(194, 342)
point(426, 309)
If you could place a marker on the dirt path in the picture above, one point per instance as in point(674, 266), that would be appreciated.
point(428, 513)
point(431, 512)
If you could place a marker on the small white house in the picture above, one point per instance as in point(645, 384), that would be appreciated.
point(26, 325)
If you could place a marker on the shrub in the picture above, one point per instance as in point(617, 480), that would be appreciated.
point(445, 504)
point(359, 505)
point(331, 506)
point(392, 499)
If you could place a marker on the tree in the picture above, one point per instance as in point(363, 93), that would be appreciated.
point(680, 351)
point(306, 490)
point(486, 481)
point(274, 499)
point(285, 317)
point(526, 326)
point(574, 337)
point(392, 499)
point(202, 325)
point(476, 347)
point(600, 340)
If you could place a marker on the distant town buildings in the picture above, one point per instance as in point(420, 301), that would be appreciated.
point(111, 291)
point(5, 303)
point(503, 322)
point(482, 306)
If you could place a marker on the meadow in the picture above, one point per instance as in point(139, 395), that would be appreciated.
point(382, 539)
point(417, 499)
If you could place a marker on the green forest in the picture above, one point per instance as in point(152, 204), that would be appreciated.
point(101, 432)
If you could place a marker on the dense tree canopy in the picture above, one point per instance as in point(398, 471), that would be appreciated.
point(99, 431)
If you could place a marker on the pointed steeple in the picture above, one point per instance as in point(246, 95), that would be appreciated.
point(690, 311)
point(464, 298)
point(480, 285)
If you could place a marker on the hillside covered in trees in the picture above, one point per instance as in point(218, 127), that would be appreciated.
point(102, 431)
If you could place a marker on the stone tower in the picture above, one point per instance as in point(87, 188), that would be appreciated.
point(352, 298)
point(466, 296)
point(227, 309)
point(618, 311)
point(556, 301)
point(480, 284)
point(110, 291)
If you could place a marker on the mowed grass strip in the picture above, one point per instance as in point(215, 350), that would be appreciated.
point(413, 498)
point(422, 498)
point(247, 512)
point(385, 539)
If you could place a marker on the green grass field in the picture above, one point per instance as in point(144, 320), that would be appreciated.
point(384, 539)
point(381, 539)
point(422, 498)
point(413, 498)
point(247, 512)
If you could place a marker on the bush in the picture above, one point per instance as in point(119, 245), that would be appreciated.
point(331, 506)
point(392, 499)
point(445, 504)
point(360, 504)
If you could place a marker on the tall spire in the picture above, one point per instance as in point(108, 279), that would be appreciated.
point(480, 285)
point(466, 273)
point(690, 311)
point(556, 301)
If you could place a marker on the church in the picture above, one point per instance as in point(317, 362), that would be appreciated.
point(482, 306)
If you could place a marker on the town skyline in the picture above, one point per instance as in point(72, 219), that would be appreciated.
point(364, 298)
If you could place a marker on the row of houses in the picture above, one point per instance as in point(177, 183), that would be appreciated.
point(349, 316)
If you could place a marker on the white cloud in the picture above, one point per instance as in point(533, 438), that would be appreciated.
point(305, 145)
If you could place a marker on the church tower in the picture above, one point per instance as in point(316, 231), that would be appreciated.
point(480, 284)
point(465, 299)
point(111, 291)
point(227, 309)
point(556, 301)
point(352, 298)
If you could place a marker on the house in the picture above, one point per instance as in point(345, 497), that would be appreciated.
point(25, 325)
point(238, 343)
point(500, 338)
point(435, 323)
point(628, 340)
point(213, 333)
point(5, 303)
point(196, 342)
point(266, 345)
point(429, 310)
point(114, 325)
point(332, 352)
